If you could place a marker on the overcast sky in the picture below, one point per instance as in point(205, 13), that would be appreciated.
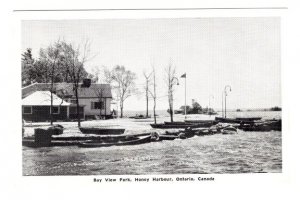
point(241, 52)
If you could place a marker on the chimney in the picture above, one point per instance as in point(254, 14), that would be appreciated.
point(86, 82)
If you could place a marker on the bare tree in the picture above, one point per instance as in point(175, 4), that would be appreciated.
point(52, 57)
point(75, 60)
point(123, 82)
point(96, 73)
point(171, 81)
point(146, 88)
point(99, 93)
point(153, 94)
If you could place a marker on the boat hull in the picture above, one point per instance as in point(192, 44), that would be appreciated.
point(227, 120)
point(199, 121)
point(102, 131)
point(180, 126)
point(248, 118)
point(126, 143)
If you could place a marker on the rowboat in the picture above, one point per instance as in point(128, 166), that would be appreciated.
point(29, 142)
point(75, 140)
point(177, 123)
point(183, 125)
point(102, 131)
point(262, 126)
point(238, 119)
point(248, 118)
point(198, 121)
point(124, 143)
point(227, 120)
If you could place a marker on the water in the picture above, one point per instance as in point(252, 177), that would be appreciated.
point(230, 113)
point(245, 152)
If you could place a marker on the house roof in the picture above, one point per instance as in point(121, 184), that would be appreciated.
point(66, 89)
point(43, 98)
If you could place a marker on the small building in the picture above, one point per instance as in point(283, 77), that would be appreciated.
point(36, 107)
point(94, 99)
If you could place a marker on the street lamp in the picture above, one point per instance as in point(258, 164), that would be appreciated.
point(225, 94)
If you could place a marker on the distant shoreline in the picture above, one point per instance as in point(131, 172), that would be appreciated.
point(165, 113)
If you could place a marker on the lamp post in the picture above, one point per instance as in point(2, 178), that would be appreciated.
point(225, 94)
point(184, 76)
point(222, 105)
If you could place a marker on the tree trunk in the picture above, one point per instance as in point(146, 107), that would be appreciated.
point(154, 95)
point(154, 107)
point(171, 113)
point(121, 109)
point(171, 103)
point(147, 105)
point(77, 107)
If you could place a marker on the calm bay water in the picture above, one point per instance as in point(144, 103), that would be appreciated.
point(245, 152)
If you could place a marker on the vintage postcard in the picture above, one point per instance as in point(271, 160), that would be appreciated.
point(151, 97)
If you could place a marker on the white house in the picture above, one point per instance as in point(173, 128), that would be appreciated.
point(94, 99)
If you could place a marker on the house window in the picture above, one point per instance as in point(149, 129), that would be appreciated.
point(97, 105)
point(27, 110)
point(55, 109)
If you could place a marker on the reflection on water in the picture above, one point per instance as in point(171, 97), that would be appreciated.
point(246, 152)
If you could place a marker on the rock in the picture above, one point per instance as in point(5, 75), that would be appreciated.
point(56, 130)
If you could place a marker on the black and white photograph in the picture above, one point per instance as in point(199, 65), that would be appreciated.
point(149, 100)
point(151, 96)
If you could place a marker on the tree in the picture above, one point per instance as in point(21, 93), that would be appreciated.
point(74, 60)
point(171, 81)
point(59, 62)
point(146, 88)
point(276, 108)
point(123, 82)
point(39, 70)
point(196, 107)
point(27, 68)
point(51, 57)
point(153, 94)
point(99, 94)
point(96, 75)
